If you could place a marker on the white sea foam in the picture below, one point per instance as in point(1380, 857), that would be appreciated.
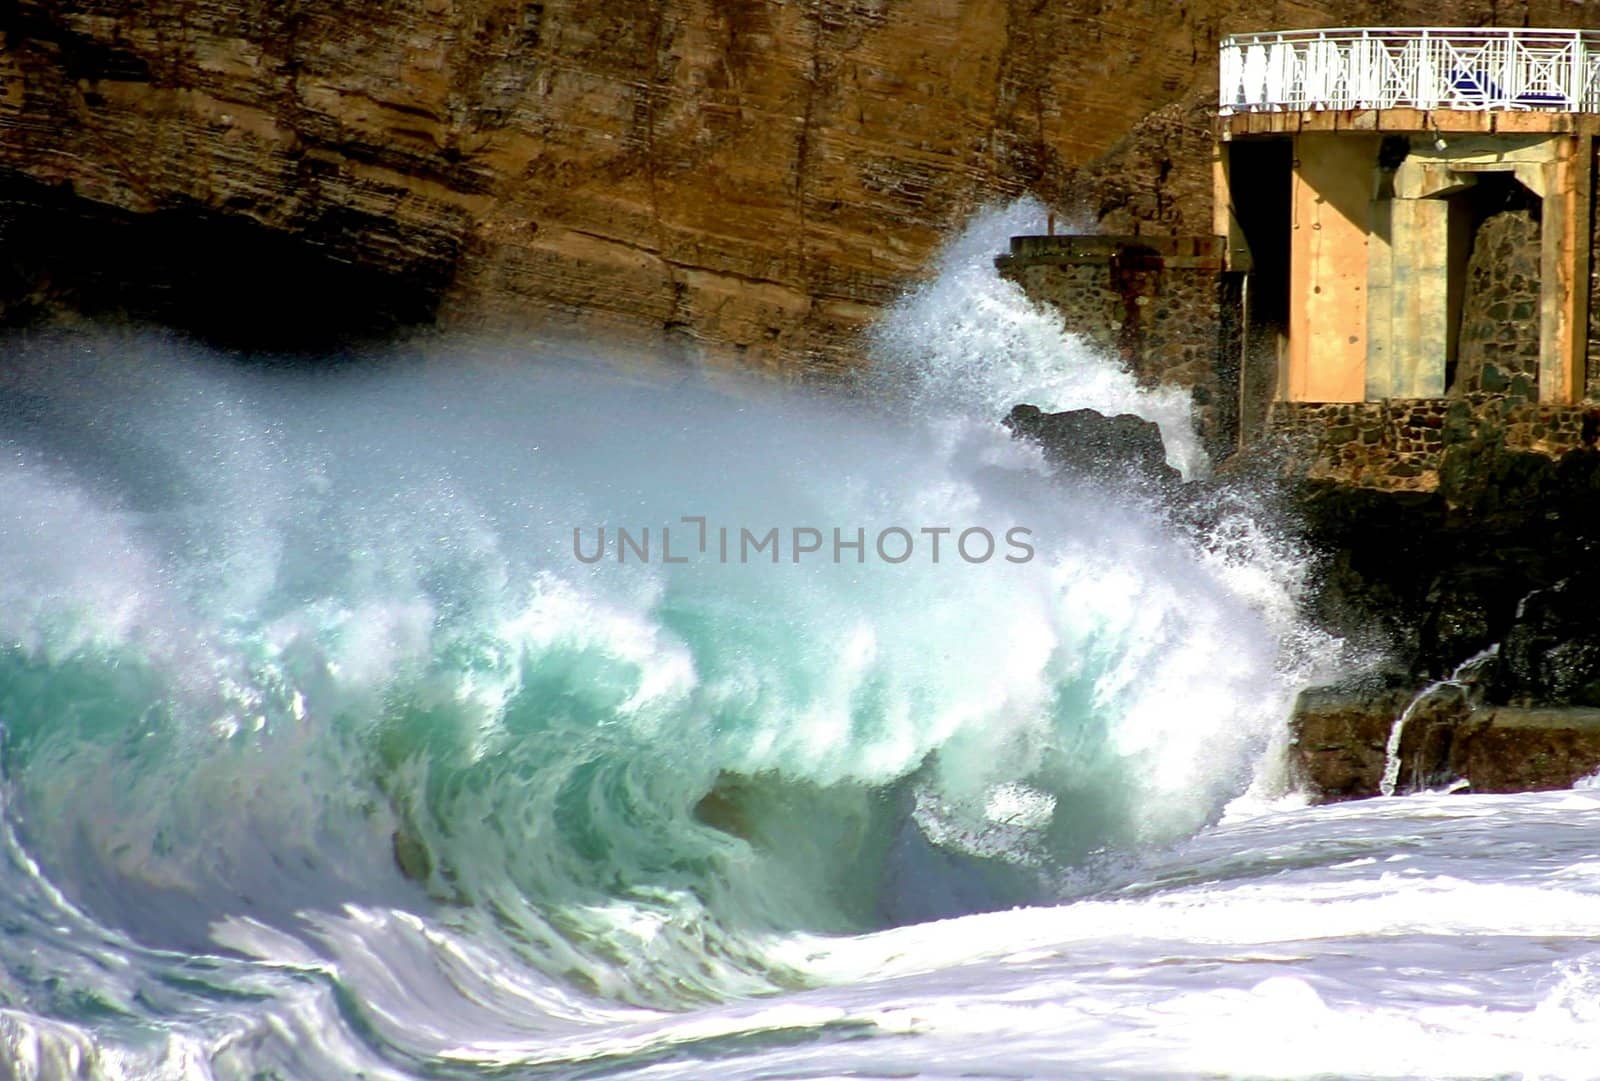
point(444, 793)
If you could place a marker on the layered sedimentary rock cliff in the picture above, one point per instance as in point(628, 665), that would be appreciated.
point(744, 177)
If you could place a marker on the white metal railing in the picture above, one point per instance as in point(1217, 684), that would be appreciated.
point(1420, 67)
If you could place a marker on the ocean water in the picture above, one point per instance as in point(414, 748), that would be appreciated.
point(476, 711)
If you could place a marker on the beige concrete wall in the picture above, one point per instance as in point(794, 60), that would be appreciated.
point(1333, 188)
point(1545, 165)
point(1374, 289)
point(1416, 322)
point(1380, 373)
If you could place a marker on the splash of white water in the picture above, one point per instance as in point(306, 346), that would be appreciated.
point(970, 341)
point(1458, 680)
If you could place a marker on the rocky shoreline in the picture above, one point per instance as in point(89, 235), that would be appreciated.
point(1498, 562)
point(1483, 594)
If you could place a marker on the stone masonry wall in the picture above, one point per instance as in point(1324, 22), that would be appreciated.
point(1499, 347)
point(1396, 444)
point(1154, 301)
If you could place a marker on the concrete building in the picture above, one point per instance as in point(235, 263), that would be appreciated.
point(1412, 211)
point(1401, 259)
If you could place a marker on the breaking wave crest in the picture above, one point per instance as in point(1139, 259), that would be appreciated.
point(301, 665)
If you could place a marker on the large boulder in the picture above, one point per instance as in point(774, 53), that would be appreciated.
point(1506, 749)
point(1340, 736)
point(1086, 443)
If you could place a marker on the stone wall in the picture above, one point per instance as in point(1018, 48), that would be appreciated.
point(1396, 444)
point(1499, 345)
point(1157, 302)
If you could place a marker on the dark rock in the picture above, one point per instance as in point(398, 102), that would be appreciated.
point(1552, 653)
point(1506, 551)
point(1432, 720)
point(1382, 552)
point(1439, 576)
point(1082, 441)
point(1492, 488)
point(1466, 610)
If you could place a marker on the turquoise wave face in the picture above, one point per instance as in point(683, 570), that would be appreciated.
point(274, 641)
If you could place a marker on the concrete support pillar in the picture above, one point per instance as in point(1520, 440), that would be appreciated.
point(1380, 302)
point(1332, 203)
point(1582, 233)
point(1224, 222)
point(1420, 342)
point(1563, 298)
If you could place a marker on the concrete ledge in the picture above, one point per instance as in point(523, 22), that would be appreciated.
point(1195, 252)
point(1415, 121)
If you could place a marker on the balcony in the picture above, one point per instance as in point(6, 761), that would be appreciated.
point(1420, 68)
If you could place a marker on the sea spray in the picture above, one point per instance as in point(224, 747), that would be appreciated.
point(353, 706)
point(1465, 673)
point(969, 344)
point(388, 604)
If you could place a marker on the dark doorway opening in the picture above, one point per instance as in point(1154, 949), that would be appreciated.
point(1260, 179)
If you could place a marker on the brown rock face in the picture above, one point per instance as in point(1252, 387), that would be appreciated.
point(1340, 735)
point(741, 176)
point(1339, 738)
